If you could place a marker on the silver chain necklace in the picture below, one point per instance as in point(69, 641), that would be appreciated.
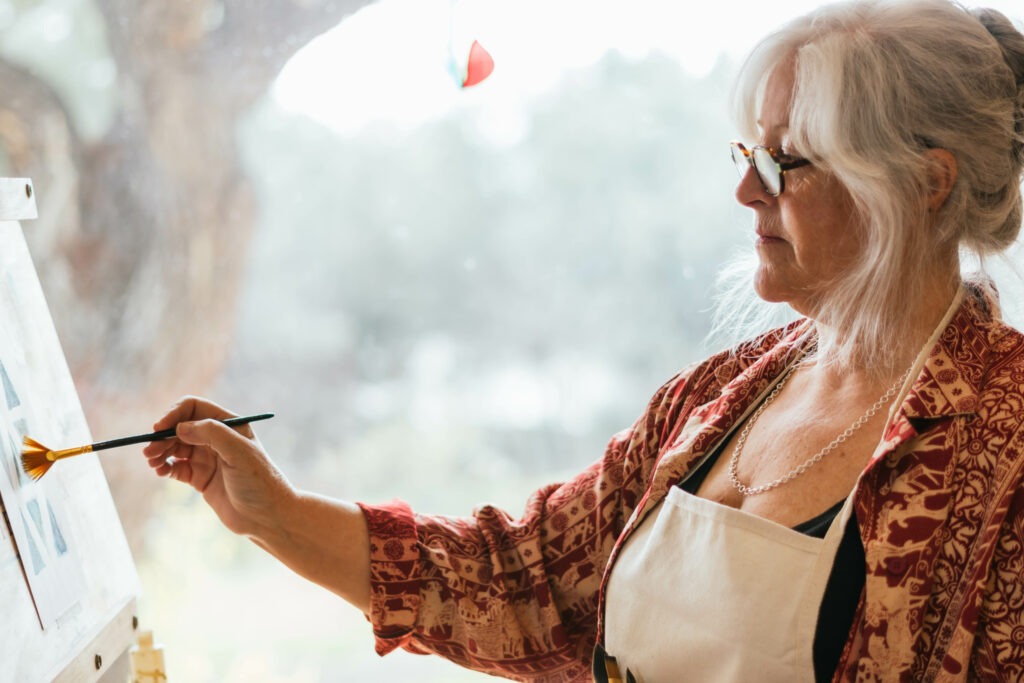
point(813, 460)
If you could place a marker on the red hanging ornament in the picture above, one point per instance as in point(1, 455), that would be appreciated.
point(479, 66)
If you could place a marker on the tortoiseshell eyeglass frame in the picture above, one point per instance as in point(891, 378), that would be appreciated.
point(760, 154)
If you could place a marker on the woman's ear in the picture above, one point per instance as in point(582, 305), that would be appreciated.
point(941, 176)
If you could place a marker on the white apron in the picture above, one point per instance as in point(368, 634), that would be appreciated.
point(706, 593)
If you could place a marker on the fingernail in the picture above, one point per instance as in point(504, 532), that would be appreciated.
point(185, 427)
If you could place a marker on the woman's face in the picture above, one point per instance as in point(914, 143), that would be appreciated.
point(807, 236)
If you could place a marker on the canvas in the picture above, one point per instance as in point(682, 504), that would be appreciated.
point(36, 398)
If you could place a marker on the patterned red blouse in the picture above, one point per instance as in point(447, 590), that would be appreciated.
point(940, 508)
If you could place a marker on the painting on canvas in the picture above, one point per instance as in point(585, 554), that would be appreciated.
point(36, 398)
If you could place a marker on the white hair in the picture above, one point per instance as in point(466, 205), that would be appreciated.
point(877, 82)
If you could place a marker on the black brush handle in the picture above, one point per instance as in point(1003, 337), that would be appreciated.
point(168, 433)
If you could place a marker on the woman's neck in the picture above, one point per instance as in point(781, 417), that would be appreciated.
point(924, 317)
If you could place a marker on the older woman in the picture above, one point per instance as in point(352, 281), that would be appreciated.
point(839, 499)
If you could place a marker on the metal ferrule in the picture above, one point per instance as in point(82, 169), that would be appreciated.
point(53, 456)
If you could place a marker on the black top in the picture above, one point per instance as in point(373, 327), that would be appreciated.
point(845, 583)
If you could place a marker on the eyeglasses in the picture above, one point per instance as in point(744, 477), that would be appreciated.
point(770, 166)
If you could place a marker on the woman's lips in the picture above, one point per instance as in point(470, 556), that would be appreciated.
point(764, 239)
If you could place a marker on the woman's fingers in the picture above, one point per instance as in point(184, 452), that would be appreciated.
point(174, 457)
point(191, 408)
point(155, 449)
point(181, 470)
point(164, 462)
point(157, 458)
point(217, 436)
point(179, 465)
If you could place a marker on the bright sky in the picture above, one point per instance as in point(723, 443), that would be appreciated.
point(389, 61)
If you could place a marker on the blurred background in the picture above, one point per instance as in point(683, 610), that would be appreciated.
point(447, 295)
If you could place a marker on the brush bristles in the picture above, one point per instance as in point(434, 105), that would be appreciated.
point(35, 465)
point(30, 445)
point(34, 460)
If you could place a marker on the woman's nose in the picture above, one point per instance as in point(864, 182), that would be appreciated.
point(750, 190)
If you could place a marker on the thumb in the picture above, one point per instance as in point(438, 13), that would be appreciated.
point(216, 436)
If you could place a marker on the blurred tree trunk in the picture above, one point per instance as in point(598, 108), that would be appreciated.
point(142, 235)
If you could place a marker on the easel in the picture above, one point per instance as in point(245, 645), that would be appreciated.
point(89, 640)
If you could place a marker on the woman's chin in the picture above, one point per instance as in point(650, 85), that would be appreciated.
point(767, 289)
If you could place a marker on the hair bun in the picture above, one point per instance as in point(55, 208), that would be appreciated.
point(1009, 38)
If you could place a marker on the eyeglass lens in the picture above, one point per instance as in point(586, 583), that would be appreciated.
point(764, 165)
point(767, 169)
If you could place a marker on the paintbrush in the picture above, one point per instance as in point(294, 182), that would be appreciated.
point(37, 459)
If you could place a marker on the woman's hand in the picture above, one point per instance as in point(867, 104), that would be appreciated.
point(227, 465)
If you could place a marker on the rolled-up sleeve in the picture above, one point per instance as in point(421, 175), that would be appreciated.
point(514, 597)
